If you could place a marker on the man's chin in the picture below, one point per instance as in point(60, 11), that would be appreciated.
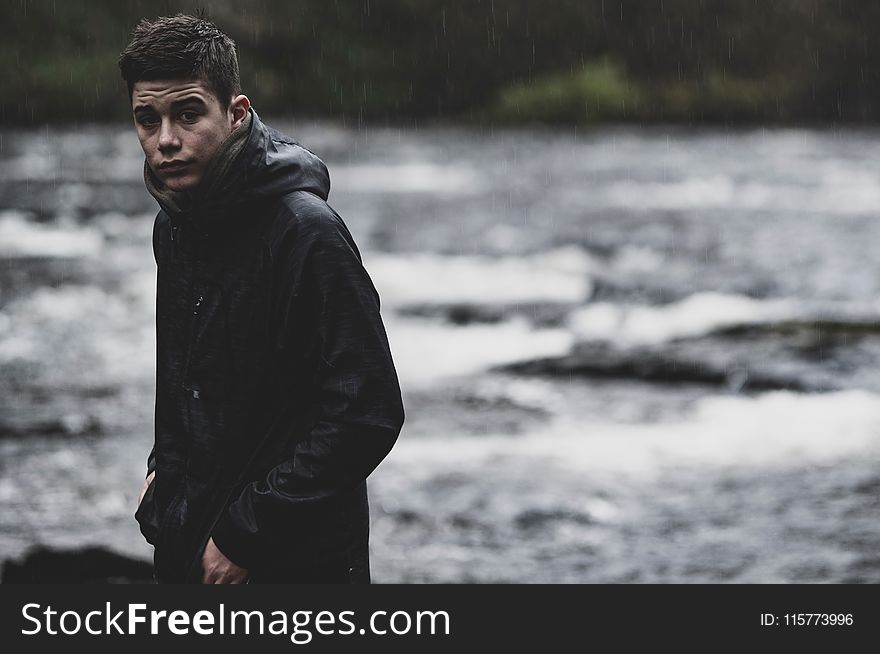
point(180, 183)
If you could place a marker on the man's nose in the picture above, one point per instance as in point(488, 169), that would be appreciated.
point(168, 139)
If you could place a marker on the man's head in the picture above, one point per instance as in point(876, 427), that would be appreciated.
point(182, 77)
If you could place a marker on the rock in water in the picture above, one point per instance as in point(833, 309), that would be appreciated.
point(90, 565)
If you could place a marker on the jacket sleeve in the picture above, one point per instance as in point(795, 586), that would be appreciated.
point(359, 411)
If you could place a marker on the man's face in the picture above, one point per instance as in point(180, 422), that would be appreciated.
point(180, 125)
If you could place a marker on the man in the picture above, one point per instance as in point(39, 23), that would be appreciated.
point(276, 394)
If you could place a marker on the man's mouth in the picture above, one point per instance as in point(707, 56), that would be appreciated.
point(175, 166)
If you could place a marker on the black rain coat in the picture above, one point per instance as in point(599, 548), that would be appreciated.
point(276, 394)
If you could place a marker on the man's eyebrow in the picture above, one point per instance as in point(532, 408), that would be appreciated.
point(193, 99)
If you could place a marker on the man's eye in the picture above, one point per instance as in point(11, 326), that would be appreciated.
point(189, 116)
point(148, 121)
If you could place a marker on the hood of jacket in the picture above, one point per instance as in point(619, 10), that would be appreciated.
point(256, 163)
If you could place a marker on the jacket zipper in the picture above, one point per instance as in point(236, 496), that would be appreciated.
point(192, 339)
point(196, 291)
point(194, 320)
point(175, 240)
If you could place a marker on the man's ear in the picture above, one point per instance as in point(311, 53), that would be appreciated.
point(238, 109)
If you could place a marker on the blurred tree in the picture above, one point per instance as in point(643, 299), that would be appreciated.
point(498, 60)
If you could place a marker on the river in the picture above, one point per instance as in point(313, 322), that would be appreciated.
point(627, 354)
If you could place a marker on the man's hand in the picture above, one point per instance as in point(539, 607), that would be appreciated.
point(147, 482)
point(217, 569)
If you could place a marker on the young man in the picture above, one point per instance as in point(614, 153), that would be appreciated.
point(276, 394)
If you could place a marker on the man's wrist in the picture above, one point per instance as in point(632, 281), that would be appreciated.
point(226, 539)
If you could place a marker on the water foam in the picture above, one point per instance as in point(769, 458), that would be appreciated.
point(776, 429)
point(854, 195)
point(700, 313)
point(425, 351)
point(20, 237)
point(82, 330)
point(560, 275)
point(420, 177)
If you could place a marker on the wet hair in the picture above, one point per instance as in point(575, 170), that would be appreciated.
point(182, 47)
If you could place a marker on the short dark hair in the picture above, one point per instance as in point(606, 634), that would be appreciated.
point(182, 47)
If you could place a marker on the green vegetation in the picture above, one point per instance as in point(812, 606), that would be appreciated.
point(596, 92)
point(404, 61)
